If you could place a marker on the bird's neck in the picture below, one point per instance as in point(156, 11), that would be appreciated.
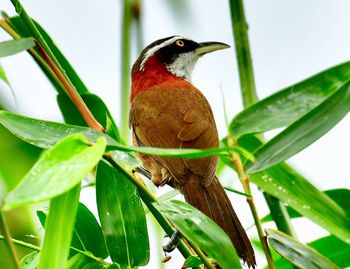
point(154, 75)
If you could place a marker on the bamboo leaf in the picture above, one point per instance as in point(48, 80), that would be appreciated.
point(291, 188)
point(304, 131)
point(30, 261)
point(10, 47)
point(331, 247)
point(96, 106)
point(122, 217)
point(45, 134)
point(340, 196)
point(58, 230)
point(58, 170)
point(87, 235)
point(297, 253)
point(286, 106)
point(202, 231)
point(78, 261)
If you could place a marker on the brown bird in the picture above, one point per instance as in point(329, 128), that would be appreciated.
point(167, 111)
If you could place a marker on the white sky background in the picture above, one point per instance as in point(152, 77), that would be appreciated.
point(290, 40)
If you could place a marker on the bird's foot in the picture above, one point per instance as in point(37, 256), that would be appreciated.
point(173, 242)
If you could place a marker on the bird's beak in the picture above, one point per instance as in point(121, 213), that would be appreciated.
point(207, 47)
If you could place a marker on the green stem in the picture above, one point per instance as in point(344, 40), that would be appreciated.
point(7, 236)
point(245, 66)
point(36, 248)
point(249, 97)
point(125, 69)
point(237, 163)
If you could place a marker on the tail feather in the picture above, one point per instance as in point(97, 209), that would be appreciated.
point(214, 203)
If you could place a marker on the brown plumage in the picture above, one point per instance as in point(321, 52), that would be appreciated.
point(167, 111)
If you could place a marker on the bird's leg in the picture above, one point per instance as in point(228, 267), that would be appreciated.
point(143, 171)
point(173, 242)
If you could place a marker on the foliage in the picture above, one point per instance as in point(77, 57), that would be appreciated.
point(75, 150)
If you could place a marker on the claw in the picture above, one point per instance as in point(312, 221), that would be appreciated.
point(173, 242)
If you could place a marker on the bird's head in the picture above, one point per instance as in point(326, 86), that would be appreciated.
point(170, 57)
point(168, 61)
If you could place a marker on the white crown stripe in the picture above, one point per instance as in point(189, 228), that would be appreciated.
point(149, 53)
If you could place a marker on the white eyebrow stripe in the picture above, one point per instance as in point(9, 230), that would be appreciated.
point(149, 53)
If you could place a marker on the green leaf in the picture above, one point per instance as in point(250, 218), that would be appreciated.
point(15, 46)
point(286, 106)
point(45, 134)
point(30, 261)
point(304, 131)
point(300, 255)
point(340, 196)
point(87, 235)
point(331, 247)
point(58, 230)
point(286, 184)
point(78, 261)
point(17, 23)
point(202, 231)
point(98, 109)
point(58, 170)
point(122, 217)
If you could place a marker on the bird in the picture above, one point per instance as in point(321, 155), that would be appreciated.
point(168, 111)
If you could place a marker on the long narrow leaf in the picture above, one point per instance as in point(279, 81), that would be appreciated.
point(304, 131)
point(96, 106)
point(45, 134)
point(58, 230)
point(11, 47)
point(122, 217)
point(292, 188)
point(284, 107)
point(58, 170)
point(202, 231)
point(300, 255)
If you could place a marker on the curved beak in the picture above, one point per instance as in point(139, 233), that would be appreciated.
point(206, 47)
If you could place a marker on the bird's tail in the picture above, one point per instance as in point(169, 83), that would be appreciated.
point(213, 202)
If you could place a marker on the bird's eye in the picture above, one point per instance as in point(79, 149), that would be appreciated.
point(180, 43)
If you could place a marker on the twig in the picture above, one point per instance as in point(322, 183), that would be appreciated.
point(7, 236)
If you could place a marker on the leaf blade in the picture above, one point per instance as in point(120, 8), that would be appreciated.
point(299, 254)
point(304, 131)
point(284, 107)
point(122, 217)
point(58, 170)
point(202, 231)
point(11, 47)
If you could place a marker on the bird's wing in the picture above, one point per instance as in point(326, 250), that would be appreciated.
point(176, 118)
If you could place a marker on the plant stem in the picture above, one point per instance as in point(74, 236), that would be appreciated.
point(249, 97)
point(57, 68)
point(36, 248)
point(245, 66)
point(72, 93)
point(237, 162)
point(7, 236)
point(7, 27)
point(125, 69)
